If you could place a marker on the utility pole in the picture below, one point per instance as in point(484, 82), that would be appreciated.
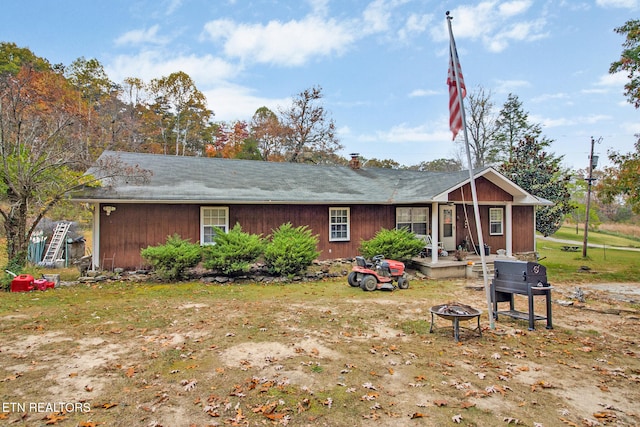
point(593, 162)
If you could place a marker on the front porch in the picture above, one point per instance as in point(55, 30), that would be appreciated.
point(450, 268)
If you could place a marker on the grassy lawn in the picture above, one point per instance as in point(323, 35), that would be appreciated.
point(605, 264)
point(320, 353)
point(299, 354)
point(596, 237)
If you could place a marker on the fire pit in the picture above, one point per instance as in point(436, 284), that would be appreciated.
point(456, 312)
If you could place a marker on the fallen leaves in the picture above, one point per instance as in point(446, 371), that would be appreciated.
point(52, 419)
point(130, 372)
point(541, 384)
point(605, 416)
point(189, 385)
point(12, 377)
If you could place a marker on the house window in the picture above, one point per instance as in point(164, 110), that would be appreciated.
point(338, 224)
point(496, 216)
point(415, 220)
point(211, 218)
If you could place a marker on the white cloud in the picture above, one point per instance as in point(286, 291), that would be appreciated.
point(626, 4)
point(549, 97)
point(580, 121)
point(548, 122)
point(613, 80)
point(147, 65)
point(376, 16)
point(415, 24)
point(513, 8)
point(291, 43)
point(422, 92)
point(135, 37)
point(232, 102)
point(404, 133)
point(509, 86)
point(630, 127)
point(172, 6)
point(496, 24)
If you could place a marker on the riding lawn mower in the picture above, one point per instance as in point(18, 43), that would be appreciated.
point(379, 274)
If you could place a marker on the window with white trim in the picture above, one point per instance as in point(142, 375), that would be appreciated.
point(339, 227)
point(496, 221)
point(212, 217)
point(415, 220)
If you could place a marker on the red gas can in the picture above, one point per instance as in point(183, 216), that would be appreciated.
point(22, 283)
point(43, 284)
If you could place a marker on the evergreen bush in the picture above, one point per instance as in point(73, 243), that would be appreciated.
point(172, 259)
point(291, 250)
point(233, 252)
point(398, 244)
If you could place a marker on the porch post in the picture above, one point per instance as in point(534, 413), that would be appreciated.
point(435, 227)
point(95, 259)
point(509, 229)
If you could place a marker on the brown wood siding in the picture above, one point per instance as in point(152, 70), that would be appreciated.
point(365, 221)
point(487, 192)
point(522, 217)
point(132, 227)
point(470, 233)
point(523, 229)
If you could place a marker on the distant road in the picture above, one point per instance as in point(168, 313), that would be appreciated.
point(590, 245)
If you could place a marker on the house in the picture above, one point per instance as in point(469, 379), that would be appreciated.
point(342, 205)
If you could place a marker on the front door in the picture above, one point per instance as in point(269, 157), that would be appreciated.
point(447, 227)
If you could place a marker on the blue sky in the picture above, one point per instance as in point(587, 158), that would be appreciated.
point(382, 64)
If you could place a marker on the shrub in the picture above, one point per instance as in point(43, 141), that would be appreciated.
point(172, 259)
point(291, 250)
point(399, 244)
point(16, 268)
point(233, 252)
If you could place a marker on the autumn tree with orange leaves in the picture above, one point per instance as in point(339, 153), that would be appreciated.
point(44, 145)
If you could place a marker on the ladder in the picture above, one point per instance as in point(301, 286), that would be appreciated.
point(56, 244)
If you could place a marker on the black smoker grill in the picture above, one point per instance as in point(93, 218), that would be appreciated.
point(524, 278)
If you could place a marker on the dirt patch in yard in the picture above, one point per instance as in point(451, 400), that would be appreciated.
point(301, 354)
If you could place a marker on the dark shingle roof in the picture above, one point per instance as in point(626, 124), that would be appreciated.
point(181, 179)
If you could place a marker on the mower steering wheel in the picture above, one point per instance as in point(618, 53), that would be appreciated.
point(377, 258)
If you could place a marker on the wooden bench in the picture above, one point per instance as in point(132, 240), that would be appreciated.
point(570, 248)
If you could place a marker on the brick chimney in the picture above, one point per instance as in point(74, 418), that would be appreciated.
point(355, 161)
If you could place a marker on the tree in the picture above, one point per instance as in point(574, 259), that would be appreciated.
point(481, 127)
point(230, 139)
point(629, 61)
point(12, 58)
point(268, 133)
point(98, 91)
point(538, 172)
point(309, 135)
point(181, 113)
point(439, 165)
point(512, 126)
point(622, 180)
point(42, 155)
point(381, 163)
point(577, 187)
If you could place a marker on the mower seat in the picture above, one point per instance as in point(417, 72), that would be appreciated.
point(361, 262)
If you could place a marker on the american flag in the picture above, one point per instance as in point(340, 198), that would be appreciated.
point(455, 110)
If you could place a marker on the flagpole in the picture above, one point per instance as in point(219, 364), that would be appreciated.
point(456, 66)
